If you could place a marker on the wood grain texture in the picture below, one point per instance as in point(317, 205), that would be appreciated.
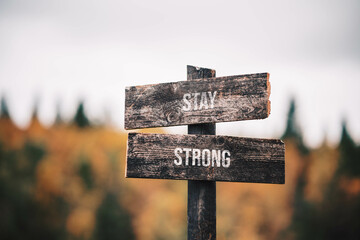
point(201, 194)
point(251, 159)
point(241, 97)
point(201, 210)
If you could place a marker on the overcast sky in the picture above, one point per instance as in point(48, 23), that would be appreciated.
point(65, 51)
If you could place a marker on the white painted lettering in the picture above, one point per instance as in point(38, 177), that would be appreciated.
point(179, 160)
point(186, 98)
point(206, 159)
point(226, 159)
point(203, 101)
point(187, 151)
point(202, 157)
point(216, 157)
point(212, 99)
point(198, 101)
point(196, 95)
point(196, 156)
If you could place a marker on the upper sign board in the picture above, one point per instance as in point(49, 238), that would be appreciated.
point(208, 100)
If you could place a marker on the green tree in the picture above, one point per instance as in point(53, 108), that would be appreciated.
point(4, 108)
point(22, 216)
point(292, 130)
point(86, 173)
point(80, 118)
point(58, 118)
point(349, 162)
point(35, 112)
point(112, 220)
point(304, 223)
point(304, 215)
point(340, 212)
point(338, 215)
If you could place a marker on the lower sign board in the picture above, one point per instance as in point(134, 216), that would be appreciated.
point(205, 157)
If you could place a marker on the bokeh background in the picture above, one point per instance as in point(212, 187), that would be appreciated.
point(64, 66)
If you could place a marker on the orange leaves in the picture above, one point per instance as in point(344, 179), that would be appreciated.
point(158, 208)
point(50, 177)
point(350, 186)
point(80, 223)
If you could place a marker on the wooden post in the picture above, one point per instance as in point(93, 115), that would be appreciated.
point(201, 194)
point(197, 157)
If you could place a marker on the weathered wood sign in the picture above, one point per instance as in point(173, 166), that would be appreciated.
point(205, 157)
point(200, 102)
point(209, 100)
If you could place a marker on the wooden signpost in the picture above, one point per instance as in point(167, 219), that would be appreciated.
point(200, 157)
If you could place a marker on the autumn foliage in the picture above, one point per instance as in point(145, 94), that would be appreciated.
point(67, 182)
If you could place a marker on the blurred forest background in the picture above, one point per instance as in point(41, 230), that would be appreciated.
point(67, 182)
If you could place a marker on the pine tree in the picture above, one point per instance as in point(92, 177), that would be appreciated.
point(293, 131)
point(349, 162)
point(4, 109)
point(80, 118)
point(340, 217)
point(112, 220)
point(58, 118)
point(35, 113)
point(86, 173)
point(337, 216)
point(304, 212)
point(22, 216)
